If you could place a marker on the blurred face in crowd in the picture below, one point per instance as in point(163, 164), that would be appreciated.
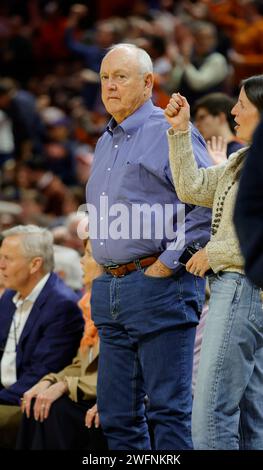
point(73, 240)
point(4, 101)
point(207, 124)
point(16, 268)
point(124, 87)
point(91, 269)
point(104, 35)
point(59, 133)
point(204, 41)
point(246, 117)
point(24, 177)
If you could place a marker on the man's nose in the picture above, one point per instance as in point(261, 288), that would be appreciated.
point(2, 264)
point(111, 83)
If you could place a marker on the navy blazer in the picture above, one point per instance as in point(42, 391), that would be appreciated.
point(49, 339)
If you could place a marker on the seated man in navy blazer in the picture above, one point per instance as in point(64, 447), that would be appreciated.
point(40, 322)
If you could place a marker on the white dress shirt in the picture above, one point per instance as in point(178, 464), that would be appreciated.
point(23, 309)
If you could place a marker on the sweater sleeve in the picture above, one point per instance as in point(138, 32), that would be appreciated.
point(87, 384)
point(74, 369)
point(75, 379)
point(224, 253)
point(193, 185)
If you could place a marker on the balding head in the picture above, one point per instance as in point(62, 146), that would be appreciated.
point(126, 80)
point(141, 57)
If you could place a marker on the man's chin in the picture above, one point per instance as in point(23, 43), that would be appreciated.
point(112, 109)
point(7, 285)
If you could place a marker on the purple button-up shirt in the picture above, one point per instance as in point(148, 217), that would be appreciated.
point(133, 207)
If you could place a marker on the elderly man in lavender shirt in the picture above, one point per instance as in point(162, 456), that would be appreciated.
point(145, 305)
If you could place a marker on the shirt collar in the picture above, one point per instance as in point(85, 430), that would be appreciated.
point(111, 126)
point(33, 294)
point(133, 121)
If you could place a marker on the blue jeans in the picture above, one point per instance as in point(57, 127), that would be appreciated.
point(147, 331)
point(228, 400)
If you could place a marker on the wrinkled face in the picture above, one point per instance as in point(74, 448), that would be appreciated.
point(124, 89)
point(207, 124)
point(15, 267)
point(89, 266)
point(246, 117)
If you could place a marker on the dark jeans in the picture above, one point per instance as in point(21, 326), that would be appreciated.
point(147, 331)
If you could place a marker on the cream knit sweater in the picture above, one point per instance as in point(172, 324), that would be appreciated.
point(213, 187)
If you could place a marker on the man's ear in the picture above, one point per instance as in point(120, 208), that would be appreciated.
point(36, 264)
point(148, 80)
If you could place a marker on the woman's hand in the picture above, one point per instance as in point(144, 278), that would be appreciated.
point(32, 393)
point(198, 264)
point(177, 112)
point(92, 416)
point(45, 399)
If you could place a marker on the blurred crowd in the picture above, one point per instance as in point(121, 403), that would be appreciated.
point(51, 114)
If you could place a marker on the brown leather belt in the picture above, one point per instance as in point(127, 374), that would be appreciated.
point(120, 270)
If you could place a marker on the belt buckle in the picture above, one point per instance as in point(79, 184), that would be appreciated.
point(111, 266)
point(119, 275)
point(110, 269)
point(115, 274)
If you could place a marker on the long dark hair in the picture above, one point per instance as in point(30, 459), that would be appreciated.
point(253, 87)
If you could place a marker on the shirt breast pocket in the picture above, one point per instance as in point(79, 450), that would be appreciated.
point(135, 183)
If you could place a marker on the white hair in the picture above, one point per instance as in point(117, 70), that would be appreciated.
point(144, 60)
point(67, 260)
point(74, 218)
point(36, 241)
